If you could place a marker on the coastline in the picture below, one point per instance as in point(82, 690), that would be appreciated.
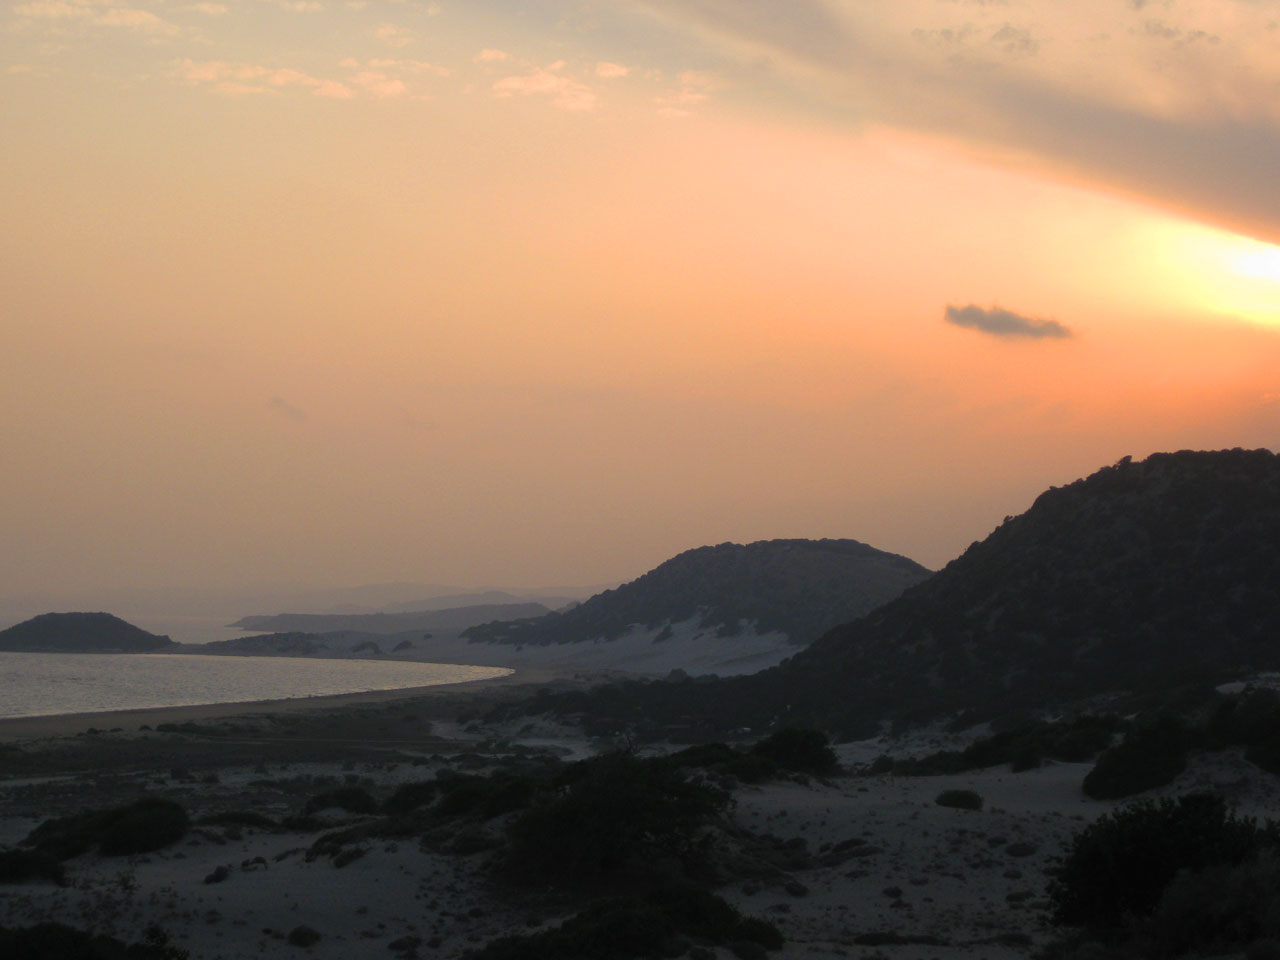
point(57, 725)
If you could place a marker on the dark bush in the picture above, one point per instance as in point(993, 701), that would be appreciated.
point(604, 813)
point(805, 751)
point(483, 798)
point(350, 799)
point(410, 796)
point(148, 824)
point(724, 759)
point(960, 799)
point(1119, 866)
point(55, 941)
point(1221, 909)
point(1150, 756)
point(1023, 747)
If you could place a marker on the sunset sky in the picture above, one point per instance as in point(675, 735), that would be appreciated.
point(542, 293)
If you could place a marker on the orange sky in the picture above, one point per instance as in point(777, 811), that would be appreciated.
point(543, 293)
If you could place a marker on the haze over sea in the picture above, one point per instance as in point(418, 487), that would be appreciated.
point(44, 684)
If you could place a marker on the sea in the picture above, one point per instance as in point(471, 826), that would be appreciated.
point(44, 684)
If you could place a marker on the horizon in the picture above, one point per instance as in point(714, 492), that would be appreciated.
point(316, 293)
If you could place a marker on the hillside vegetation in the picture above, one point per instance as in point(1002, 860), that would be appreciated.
point(799, 588)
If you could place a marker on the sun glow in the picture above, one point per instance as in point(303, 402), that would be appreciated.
point(1217, 272)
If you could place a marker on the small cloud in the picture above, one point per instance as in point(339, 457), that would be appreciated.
point(51, 10)
point(695, 87)
point(1005, 323)
point(287, 409)
point(393, 36)
point(610, 71)
point(1015, 40)
point(16, 68)
point(211, 9)
point(565, 92)
point(489, 55)
point(380, 84)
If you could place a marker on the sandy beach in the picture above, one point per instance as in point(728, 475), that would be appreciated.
point(69, 724)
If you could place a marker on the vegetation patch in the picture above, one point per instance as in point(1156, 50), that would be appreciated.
point(1118, 869)
point(1022, 747)
point(1150, 756)
point(960, 799)
point(148, 824)
point(604, 816)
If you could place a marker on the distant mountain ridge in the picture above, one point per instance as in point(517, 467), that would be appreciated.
point(454, 618)
point(799, 588)
point(80, 633)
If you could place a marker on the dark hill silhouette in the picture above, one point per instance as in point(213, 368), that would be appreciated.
point(1143, 577)
point(796, 587)
point(80, 633)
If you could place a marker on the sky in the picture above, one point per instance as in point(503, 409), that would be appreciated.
point(543, 293)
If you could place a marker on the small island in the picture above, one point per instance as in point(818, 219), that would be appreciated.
point(80, 633)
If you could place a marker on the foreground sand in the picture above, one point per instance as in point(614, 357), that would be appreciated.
point(971, 882)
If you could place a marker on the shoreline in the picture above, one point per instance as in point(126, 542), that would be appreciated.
point(56, 725)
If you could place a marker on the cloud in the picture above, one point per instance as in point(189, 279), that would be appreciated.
point(286, 409)
point(490, 55)
point(393, 36)
point(1197, 130)
point(101, 14)
point(565, 92)
point(695, 87)
point(239, 79)
point(211, 9)
point(610, 71)
point(381, 85)
point(1005, 323)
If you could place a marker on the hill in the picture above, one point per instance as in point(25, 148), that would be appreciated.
point(795, 588)
point(456, 618)
point(1140, 579)
point(80, 633)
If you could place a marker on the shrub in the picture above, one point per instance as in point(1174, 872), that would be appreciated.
point(148, 824)
point(960, 799)
point(410, 796)
point(1120, 865)
point(483, 797)
point(805, 751)
point(1149, 757)
point(1221, 909)
point(604, 813)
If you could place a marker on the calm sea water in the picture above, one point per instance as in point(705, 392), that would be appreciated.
point(41, 684)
